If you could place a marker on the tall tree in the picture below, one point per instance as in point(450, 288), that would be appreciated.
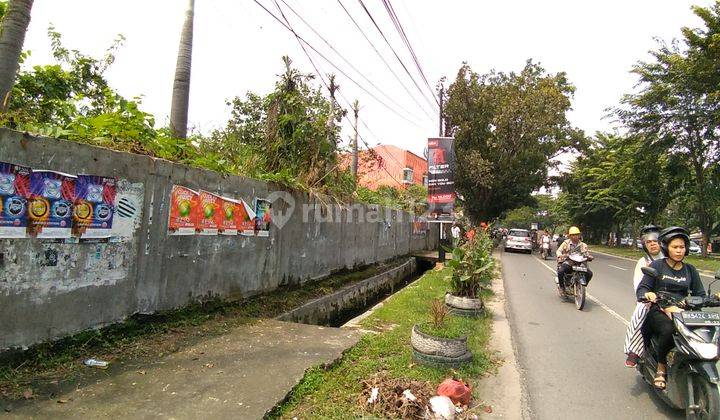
point(678, 107)
point(508, 127)
point(181, 86)
point(12, 36)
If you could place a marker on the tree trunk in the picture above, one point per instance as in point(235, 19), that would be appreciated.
point(181, 86)
point(12, 36)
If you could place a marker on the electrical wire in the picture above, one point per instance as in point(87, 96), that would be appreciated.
point(303, 41)
point(342, 57)
point(389, 67)
point(432, 94)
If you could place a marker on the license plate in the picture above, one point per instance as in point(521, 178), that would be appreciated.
point(580, 268)
point(701, 318)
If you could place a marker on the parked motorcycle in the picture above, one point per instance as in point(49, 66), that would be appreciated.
point(693, 379)
point(545, 250)
point(576, 282)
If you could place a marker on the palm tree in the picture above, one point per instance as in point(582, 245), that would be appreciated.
point(12, 36)
point(181, 86)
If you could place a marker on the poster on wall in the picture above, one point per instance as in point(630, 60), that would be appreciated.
point(210, 214)
point(246, 225)
point(14, 194)
point(420, 226)
point(230, 211)
point(94, 206)
point(263, 217)
point(184, 204)
point(441, 172)
point(51, 204)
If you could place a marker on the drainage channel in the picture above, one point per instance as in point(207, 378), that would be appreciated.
point(337, 308)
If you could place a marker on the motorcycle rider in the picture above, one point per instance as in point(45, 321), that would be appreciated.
point(545, 239)
point(634, 344)
point(569, 246)
point(675, 277)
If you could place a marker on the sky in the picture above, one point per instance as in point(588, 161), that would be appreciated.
point(237, 47)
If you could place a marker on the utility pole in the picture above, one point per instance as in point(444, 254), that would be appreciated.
point(354, 164)
point(331, 121)
point(442, 91)
point(441, 225)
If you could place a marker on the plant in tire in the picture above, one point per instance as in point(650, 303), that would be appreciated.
point(441, 341)
point(473, 267)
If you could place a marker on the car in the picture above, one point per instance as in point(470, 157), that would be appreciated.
point(519, 239)
point(695, 248)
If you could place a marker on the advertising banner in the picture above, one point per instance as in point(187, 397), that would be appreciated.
point(184, 204)
point(14, 194)
point(210, 213)
point(246, 224)
point(94, 206)
point(441, 172)
point(51, 204)
point(230, 211)
point(263, 217)
point(420, 226)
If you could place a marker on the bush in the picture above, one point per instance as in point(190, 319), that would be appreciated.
point(473, 266)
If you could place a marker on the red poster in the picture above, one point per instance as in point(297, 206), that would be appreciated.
point(184, 204)
point(230, 212)
point(209, 213)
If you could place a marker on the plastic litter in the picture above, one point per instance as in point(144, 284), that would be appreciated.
point(100, 364)
point(443, 407)
point(409, 395)
point(457, 391)
point(373, 395)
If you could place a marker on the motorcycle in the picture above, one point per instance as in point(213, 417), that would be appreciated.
point(576, 282)
point(692, 380)
point(545, 250)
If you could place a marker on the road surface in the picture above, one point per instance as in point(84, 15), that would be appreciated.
point(572, 361)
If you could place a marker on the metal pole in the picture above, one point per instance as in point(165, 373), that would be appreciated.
point(441, 237)
point(354, 165)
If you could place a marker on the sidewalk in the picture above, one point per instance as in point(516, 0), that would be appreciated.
point(242, 374)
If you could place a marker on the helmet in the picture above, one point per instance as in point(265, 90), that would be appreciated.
point(574, 231)
point(649, 232)
point(671, 233)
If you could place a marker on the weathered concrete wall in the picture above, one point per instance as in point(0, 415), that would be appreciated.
point(49, 289)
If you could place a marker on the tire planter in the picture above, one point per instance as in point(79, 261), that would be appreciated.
point(437, 351)
point(464, 306)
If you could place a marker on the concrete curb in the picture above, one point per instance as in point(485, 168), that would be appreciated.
point(503, 390)
point(703, 273)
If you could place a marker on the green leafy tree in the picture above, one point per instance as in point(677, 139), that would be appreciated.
point(508, 127)
point(678, 109)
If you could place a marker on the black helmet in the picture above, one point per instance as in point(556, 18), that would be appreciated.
point(649, 232)
point(671, 233)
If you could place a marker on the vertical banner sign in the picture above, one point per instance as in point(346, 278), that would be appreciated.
point(50, 210)
point(230, 211)
point(14, 194)
point(441, 173)
point(263, 217)
point(184, 204)
point(210, 213)
point(94, 206)
point(246, 221)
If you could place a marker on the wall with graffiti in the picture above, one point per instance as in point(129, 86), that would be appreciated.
point(90, 236)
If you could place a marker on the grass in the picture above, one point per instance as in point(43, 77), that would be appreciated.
point(152, 336)
point(711, 264)
point(333, 392)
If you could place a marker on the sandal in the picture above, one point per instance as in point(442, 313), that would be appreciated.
point(660, 382)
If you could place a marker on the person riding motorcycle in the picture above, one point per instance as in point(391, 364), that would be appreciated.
point(675, 277)
point(545, 240)
point(634, 344)
point(569, 246)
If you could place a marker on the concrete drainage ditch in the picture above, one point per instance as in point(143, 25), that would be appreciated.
point(344, 304)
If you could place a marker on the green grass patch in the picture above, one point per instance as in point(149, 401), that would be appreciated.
point(334, 392)
point(147, 336)
point(711, 263)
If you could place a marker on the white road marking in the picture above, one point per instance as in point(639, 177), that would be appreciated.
point(619, 268)
point(592, 298)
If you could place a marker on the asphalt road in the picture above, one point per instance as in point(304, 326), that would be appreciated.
point(572, 361)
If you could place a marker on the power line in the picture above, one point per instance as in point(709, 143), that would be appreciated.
point(346, 61)
point(397, 56)
point(401, 31)
point(303, 41)
point(389, 67)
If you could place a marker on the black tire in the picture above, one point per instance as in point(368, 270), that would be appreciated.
point(507, 249)
point(579, 296)
point(707, 397)
point(441, 361)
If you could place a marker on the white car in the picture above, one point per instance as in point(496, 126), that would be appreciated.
point(518, 239)
point(695, 248)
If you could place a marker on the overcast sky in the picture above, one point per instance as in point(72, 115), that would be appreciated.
point(238, 47)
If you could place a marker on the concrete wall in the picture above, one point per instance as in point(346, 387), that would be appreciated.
point(49, 289)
